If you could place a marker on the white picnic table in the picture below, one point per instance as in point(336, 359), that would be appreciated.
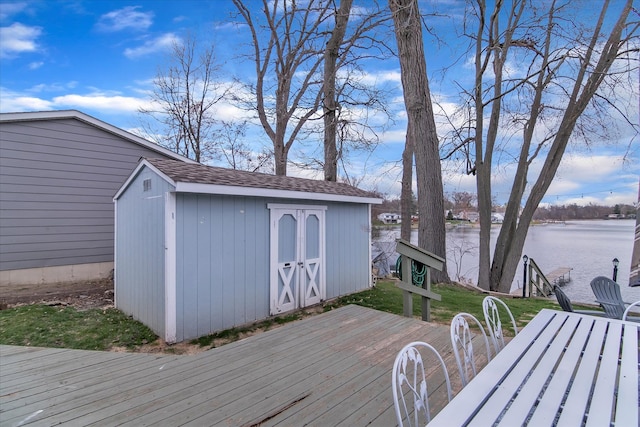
point(562, 369)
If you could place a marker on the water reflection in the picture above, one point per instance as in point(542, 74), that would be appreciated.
point(586, 246)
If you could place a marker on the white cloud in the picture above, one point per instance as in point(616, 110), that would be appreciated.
point(159, 44)
point(11, 101)
point(35, 65)
point(114, 102)
point(101, 102)
point(10, 9)
point(126, 18)
point(18, 38)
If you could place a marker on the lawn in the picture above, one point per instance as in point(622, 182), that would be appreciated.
point(104, 329)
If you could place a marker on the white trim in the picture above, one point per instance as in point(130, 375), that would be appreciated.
point(170, 299)
point(370, 251)
point(75, 114)
point(143, 163)
point(295, 207)
point(115, 253)
point(189, 187)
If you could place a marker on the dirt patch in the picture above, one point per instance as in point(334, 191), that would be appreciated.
point(81, 295)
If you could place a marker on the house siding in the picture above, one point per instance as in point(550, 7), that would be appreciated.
point(223, 266)
point(57, 181)
point(140, 272)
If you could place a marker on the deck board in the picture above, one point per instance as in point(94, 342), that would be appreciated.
point(332, 368)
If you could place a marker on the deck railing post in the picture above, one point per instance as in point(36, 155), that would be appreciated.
point(407, 297)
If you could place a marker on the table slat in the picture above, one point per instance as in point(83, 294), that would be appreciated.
point(605, 385)
point(562, 380)
point(628, 405)
point(528, 395)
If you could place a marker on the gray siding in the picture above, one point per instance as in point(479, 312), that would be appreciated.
point(223, 258)
point(347, 246)
point(222, 263)
point(57, 181)
point(139, 275)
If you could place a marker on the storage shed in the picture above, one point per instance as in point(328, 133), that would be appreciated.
point(59, 171)
point(201, 249)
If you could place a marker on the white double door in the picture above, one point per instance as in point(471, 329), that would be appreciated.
point(297, 257)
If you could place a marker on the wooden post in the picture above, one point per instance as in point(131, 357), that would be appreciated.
point(426, 302)
point(407, 298)
point(409, 253)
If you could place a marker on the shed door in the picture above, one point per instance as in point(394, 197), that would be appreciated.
point(297, 258)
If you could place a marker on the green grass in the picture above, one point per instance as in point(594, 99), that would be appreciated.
point(96, 329)
point(103, 329)
point(455, 299)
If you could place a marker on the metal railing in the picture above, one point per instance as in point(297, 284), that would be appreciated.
point(537, 282)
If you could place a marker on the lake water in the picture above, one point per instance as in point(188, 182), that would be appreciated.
point(588, 247)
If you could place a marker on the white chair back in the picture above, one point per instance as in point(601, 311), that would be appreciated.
point(409, 383)
point(462, 343)
point(628, 309)
point(490, 308)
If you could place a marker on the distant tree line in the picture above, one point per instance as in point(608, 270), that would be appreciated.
point(459, 201)
point(573, 211)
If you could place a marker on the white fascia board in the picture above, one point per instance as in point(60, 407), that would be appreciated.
point(189, 187)
point(144, 163)
point(75, 114)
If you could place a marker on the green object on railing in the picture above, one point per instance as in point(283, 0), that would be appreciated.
point(418, 271)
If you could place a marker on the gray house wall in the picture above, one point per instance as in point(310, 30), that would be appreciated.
point(57, 181)
point(140, 225)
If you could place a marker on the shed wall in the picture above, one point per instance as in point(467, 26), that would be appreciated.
point(140, 249)
point(223, 258)
point(57, 181)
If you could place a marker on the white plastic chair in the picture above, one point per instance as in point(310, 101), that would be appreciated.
point(628, 310)
point(410, 393)
point(492, 318)
point(461, 341)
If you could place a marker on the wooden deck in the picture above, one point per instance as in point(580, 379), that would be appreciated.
point(331, 369)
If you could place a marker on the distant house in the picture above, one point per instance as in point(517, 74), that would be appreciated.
point(471, 216)
point(201, 249)
point(59, 171)
point(497, 218)
point(390, 218)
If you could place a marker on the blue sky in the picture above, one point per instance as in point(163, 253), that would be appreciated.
point(100, 57)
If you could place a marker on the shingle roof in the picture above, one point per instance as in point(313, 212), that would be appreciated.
point(202, 174)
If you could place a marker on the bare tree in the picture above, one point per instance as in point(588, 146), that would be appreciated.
point(237, 153)
point(329, 102)
point(184, 97)
point(286, 47)
point(421, 128)
point(306, 57)
point(562, 67)
point(347, 48)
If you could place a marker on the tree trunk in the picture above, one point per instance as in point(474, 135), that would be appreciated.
point(421, 129)
point(330, 103)
point(406, 193)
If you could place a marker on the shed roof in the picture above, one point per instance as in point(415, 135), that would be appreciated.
point(199, 178)
point(78, 115)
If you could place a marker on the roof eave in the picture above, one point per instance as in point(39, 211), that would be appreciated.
point(75, 114)
point(234, 190)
